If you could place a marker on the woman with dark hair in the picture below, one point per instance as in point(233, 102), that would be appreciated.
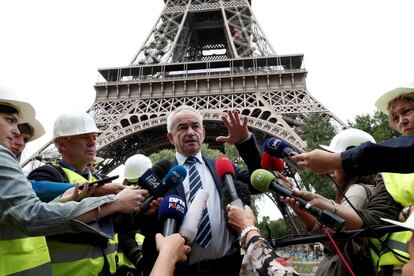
point(358, 190)
point(29, 131)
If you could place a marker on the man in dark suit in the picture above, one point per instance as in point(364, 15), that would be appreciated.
point(213, 252)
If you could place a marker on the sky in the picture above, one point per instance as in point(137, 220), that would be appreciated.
point(354, 50)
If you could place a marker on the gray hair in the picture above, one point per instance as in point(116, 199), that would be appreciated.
point(180, 109)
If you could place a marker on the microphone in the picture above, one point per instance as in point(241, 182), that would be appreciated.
point(189, 227)
point(157, 187)
point(264, 180)
point(161, 168)
point(225, 171)
point(271, 163)
point(172, 211)
point(244, 194)
point(278, 148)
point(281, 149)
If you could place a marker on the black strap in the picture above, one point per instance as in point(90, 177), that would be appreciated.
point(367, 190)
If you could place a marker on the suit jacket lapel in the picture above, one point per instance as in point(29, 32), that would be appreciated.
point(211, 165)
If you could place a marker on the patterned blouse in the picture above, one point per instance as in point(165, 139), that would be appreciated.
point(261, 259)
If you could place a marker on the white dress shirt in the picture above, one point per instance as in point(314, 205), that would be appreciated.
point(221, 241)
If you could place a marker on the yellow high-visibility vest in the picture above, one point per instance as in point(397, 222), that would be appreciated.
point(401, 188)
point(23, 255)
point(80, 259)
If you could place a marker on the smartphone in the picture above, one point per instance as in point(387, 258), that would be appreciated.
point(105, 180)
point(101, 181)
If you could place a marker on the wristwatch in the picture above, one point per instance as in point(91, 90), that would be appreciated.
point(406, 212)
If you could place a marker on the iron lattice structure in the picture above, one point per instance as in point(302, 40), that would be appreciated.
point(212, 55)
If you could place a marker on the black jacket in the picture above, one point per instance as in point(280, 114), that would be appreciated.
point(394, 155)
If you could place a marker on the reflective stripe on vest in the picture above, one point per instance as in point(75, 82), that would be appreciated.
point(80, 259)
point(397, 242)
point(25, 256)
point(401, 188)
point(44, 269)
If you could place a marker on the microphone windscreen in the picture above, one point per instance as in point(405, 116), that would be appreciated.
point(161, 168)
point(261, 180)
point(224, 166)
point(189, 227)
point(243, 193)
point(275, 147)
point(271, 163)
point(175, 176)
point(173, 207)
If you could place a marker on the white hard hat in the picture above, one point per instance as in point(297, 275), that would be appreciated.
point(38, 129)
point(8, 97)
point(383, 102)
point(136, 165)
point(74, 123)
point(348, 138)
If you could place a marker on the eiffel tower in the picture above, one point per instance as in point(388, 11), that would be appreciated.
point(212, 55)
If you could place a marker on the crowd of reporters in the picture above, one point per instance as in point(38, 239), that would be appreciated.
point(195, 213)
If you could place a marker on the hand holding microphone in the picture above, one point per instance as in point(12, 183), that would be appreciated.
point(263, 180)
point(240, 218)
point(281, 149)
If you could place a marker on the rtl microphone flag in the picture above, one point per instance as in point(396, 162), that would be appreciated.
point(172, 211)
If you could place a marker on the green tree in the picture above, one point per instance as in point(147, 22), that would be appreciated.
point(169, 154)
point(316, 131)
point(377, 125)
point(277, 227)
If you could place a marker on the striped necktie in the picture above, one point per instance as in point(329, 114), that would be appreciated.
point(203, 236)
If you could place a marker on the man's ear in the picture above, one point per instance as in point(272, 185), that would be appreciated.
point(170, 137)
point(60, 144)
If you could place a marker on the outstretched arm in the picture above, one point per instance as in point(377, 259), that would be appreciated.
point(393, 155)
point(237, 129)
